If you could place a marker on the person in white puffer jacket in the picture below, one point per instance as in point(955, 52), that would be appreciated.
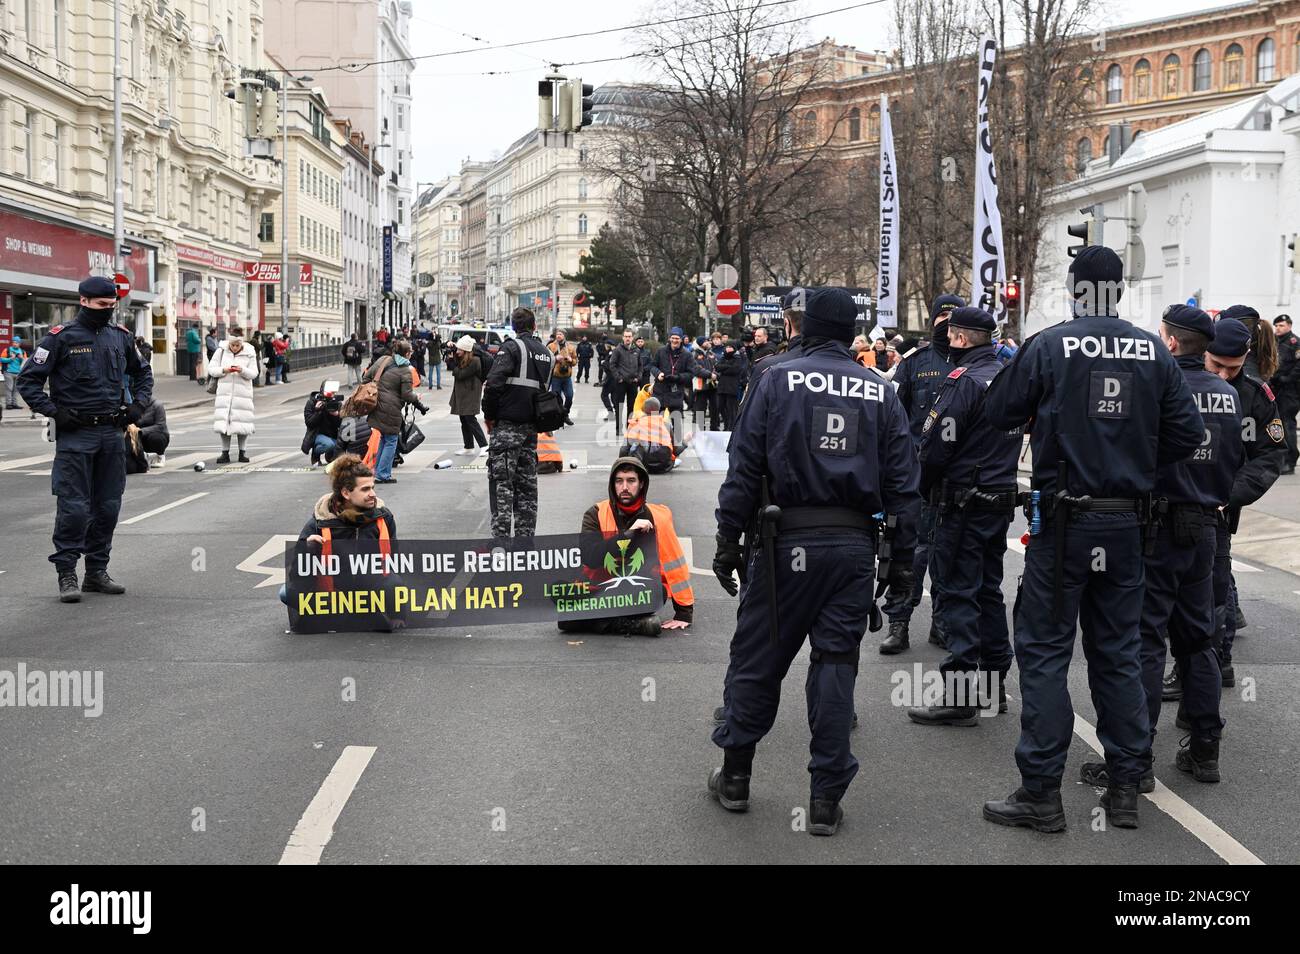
point(234, 365)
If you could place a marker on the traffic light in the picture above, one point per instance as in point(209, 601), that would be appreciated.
point(1012, 292)
point(545, 104)
point(1085, 230)
point(1295, 253)
point(701, 295)
point(581, 103)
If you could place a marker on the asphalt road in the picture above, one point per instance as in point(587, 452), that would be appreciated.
point(515, 743)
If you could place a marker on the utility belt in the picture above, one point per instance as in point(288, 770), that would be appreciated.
point(1186, 522)
point(794, 519)
point(109, 419)
point(983, 499)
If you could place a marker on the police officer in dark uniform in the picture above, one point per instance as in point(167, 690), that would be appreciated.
point(1109, 406)
point(1178, 596)
point(88, 364)
point(823, 448)
point(968, 474)
point(916, 380)
point(1286, 385)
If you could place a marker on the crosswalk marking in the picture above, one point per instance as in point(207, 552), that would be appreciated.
point(23, 462)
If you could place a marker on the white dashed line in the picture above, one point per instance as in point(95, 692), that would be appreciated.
point(150, 513)
point(316, 827)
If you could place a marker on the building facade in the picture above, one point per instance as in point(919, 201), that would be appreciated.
point(473, 240)
point(363, 176)
point(191, 198)
point(437, 242)
point(316, 37)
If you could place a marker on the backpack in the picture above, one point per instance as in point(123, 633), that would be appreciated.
point(366, 397)
point(485, 359)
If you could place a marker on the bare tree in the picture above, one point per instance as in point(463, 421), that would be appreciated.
point(1038, 102)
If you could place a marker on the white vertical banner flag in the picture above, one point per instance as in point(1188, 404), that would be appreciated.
point(988, 264)
point(887, 309)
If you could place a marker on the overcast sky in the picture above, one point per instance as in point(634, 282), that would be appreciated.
point(461, 114)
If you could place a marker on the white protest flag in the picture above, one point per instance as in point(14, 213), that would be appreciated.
point(988, 264)
point(887, 270)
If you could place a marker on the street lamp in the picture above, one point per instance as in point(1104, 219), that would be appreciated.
point(284, 196)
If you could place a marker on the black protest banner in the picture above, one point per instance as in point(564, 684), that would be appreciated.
point(356, 587)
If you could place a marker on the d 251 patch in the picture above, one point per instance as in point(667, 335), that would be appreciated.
point(835, 431)
point(1110, 394)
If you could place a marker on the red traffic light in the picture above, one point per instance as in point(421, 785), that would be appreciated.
point(1013, 291)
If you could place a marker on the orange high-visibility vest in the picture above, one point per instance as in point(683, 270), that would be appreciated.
point(649, 429)
point(415, 377)
point(326, 548)
point(674, 572)
point(547, 449)
point(372, 448)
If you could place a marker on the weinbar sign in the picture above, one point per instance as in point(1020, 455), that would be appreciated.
point(36, 249)
point(268, 273)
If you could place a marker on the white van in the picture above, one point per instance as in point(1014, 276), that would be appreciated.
point(490, 338)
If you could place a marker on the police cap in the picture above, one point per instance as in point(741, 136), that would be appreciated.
point(1190, 318)
point(830, 313)
point(1231, 338)
point(944, 305)
point(97, 286)
point(968, 316)
point(1242, 313)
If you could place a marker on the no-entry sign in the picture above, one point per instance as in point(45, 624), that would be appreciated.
point(123, 285)
point(728, 302)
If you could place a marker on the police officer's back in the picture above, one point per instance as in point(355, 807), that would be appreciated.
point(825, 442)
point(87, 365)
point(920, 374)
point(1109, 406)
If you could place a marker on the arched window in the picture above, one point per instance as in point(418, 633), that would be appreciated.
point(855, 124)
point(171, 87)
point(1169, 76)
point(787, 133)
point(1114, 84)
point(808, 128)
point(153, 66)
point(582, 188)
point(1265, 61)
point(1232, 60)
point(1201, 71)
point(1105, 145)
point(873, 123)
point(1082, 155)
point(136, 47)
point(1142, 79)
point(582, 224)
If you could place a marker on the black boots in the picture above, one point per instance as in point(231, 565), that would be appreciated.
point(944, 715)
point(1023, 808)
point(1171, 689)
point(936, 636)
point(98, 581)
point(68, 592)
point(1200, 759)
point(1096, 774)
point(1228, 673)
point(896, 641)
point(1121, 805)
point(224, 458)
point(243, 458)
point(730, 784)
point(824, 817)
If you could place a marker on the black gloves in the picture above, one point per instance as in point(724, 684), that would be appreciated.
point(901, 577)
point(67, 421)
point(421, 408)
point(729, 559)
point(134, 413)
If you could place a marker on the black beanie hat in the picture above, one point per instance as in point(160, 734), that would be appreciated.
point(830, 313)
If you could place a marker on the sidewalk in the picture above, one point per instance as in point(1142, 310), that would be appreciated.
point(177, 393)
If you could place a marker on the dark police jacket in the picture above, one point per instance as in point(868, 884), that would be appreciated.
point(1264, 440)
point(86, 368)
point(826, 432)
point(1105, 397)
point(958, 439)
point(1287, 380)
point(1205, 477)
point(504, 401)
point(917, 380)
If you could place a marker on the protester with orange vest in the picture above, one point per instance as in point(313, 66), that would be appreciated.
point(627, 513)
point(350, 511)
point(549, 458)
point(649, 438)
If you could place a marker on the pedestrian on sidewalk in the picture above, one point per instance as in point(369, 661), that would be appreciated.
point(353, 351)
point(194, 349)
point(435, 361)
point(282, 347)
point(585, 353)
point(418, 347)
point(393, 376)
point(467, 394)
point(268, 356)
point(11, 362)
point(235, 367)
point(562, 372)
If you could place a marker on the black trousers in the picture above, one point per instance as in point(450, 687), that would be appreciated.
point(471, 431)
point(729, 406)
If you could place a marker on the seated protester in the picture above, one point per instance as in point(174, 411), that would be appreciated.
point(356, 436)
point(350, 511)
point(648, 437)
point(322, 414)
point(626, 513)
point(549, 458)
point(148, 436)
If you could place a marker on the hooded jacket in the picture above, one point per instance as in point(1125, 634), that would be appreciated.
point(624, 519)
point(350, 524)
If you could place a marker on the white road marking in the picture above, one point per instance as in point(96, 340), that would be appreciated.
point(271, 549)
point(174, 503)
point(1013, 543)
point(1023, 480)
point(316, 827)
point(1206, 831)
point(1239, 567)
point(25, 462)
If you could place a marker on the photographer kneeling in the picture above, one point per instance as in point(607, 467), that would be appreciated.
point(322, 414)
